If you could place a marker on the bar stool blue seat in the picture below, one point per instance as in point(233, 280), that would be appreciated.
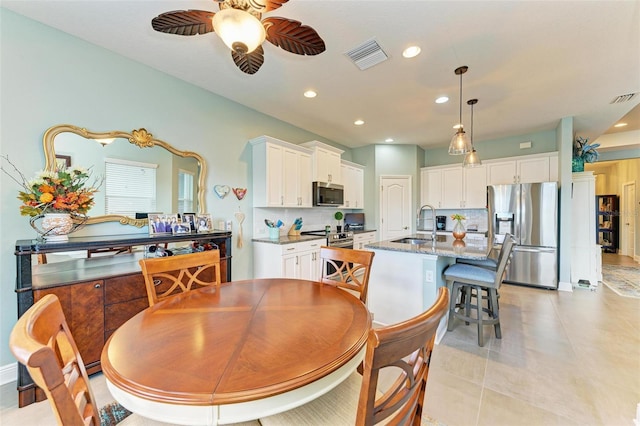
point(467, 284)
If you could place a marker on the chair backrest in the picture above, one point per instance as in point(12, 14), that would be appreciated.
point(503, 258)
point(405, 347)
point(42, 342)
point(352, 269)
point(163, 276)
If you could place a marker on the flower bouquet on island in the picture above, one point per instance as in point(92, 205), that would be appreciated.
point(458, 228)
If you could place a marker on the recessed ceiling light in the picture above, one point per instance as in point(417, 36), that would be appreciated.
point(620, 125)
point(388, 140)
point(310, 94)
point(442, 99)
point(411, 52)
point(358, 122)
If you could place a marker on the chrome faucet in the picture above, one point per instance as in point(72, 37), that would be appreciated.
point(433, 219)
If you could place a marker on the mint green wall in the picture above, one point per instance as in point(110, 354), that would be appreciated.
point(619, 154)
point(366, 156)
point(499, 148)
point(49, 78)
point(564, 135)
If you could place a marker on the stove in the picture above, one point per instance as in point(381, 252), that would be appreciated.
point(335, 239)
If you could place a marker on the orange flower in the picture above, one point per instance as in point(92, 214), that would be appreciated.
point(46, 188)
point(46, 197)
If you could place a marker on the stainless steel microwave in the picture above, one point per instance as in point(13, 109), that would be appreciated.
point(328, 194)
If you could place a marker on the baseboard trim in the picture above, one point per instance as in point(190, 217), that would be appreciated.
point(8, 373)
point(563, 286)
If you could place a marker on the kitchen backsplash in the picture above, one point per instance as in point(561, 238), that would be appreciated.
point(475, 218)
point(318, 217)
point(312, 219)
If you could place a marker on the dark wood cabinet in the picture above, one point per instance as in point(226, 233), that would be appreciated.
point(97, 294)
point(607, 217)
point(83, 307)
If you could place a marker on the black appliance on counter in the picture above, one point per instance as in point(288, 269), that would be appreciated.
point(441, 223)
point(354, 221)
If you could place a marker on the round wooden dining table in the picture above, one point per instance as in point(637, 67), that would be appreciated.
point(247, 350)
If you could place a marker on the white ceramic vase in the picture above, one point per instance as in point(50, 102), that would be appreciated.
point(56, 226)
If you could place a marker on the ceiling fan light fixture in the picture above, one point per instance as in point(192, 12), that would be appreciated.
point(239, 30)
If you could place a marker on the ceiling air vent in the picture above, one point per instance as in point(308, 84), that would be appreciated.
point(623, 98)
point(367, 55)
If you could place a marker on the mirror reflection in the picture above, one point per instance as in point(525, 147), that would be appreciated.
point(141, 174)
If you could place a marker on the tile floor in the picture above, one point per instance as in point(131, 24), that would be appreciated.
point(564, 359)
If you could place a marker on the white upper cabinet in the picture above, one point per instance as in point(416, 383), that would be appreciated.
point(326, 162)
point(353, 181)
point(475, 187)
point(528, 169)
point(454, 187)
point(281, 173)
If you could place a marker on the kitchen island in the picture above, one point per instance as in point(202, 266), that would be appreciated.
point(405, 276)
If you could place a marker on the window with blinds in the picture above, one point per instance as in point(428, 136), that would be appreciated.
point(185, 191)
point(130, 187)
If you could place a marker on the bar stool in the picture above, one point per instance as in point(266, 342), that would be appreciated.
point(468, 282)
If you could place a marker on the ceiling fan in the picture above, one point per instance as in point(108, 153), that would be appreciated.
point(239, 25)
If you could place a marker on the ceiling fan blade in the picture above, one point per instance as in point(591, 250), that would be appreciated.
point(249, 63)
point(184, 22)
point(263, 6)
point(293, 37)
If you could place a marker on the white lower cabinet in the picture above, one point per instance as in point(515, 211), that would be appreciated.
point(294, 260)
point(362, 239)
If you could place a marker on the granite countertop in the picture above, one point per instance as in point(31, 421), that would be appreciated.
point(471, 247)
point(286, 239)
point(362, 231)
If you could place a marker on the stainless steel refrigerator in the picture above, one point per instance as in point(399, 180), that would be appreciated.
point(528, 211)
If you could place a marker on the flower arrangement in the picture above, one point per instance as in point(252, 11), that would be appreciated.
point(582, 149)
point(457, 217)
point(63, 190)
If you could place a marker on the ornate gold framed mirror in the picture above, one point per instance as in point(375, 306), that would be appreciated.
point(74, 145)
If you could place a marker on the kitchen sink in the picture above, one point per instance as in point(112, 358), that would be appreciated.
point(413, 241)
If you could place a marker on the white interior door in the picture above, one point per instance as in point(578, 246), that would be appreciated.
point(627, 221)
point(395, 206)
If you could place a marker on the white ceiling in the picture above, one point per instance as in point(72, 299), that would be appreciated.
point(530, 63)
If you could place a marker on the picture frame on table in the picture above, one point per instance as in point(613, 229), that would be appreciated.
point(203, 223)
point(162, 223)
point(190, 220)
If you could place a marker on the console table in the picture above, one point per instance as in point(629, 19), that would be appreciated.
point(97, 294)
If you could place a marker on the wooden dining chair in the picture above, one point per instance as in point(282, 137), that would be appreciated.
point(351, 269)
point(42, 342)
point(403, 351)
point(164, 276)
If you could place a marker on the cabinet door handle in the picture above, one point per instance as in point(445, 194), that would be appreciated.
point(282, 200)
point(296, 260)
point(292, 248)
point(97, 285)
point(157, 282)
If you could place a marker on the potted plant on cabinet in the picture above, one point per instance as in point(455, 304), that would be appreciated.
point(338, 216)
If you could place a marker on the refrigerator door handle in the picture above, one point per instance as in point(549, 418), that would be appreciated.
point(535, 249)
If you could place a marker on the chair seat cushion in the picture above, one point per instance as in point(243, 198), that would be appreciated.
point(469, 274)
point(483, 263)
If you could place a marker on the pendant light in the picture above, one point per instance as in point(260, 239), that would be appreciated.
point(460, 143)
point(471, 159)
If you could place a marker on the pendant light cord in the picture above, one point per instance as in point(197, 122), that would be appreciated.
point(460, 122)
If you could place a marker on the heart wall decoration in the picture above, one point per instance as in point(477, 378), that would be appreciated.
point(240, 192)
point(221, 190)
